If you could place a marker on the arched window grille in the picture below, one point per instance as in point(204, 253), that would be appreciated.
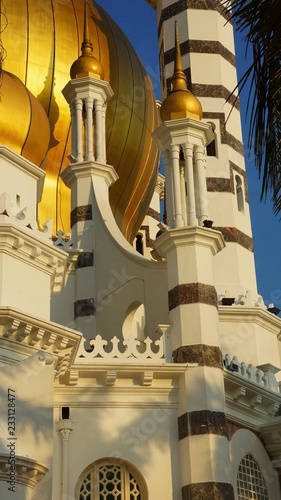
point(250, 481)
point(111, 479)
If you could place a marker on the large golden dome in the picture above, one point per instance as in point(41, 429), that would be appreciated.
point(42, 40)
point(21, 116)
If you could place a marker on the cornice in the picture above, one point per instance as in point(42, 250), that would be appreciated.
point(27, 472)
point(257, 315)
point(173, 238)
point(183, 131)
point(77, 171)
point(21, 243)
point(24, 335)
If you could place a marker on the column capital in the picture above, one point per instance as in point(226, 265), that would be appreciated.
point(195, 235)
point(89, 168)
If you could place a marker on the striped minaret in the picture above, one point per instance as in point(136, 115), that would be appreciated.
point(208, 53)
point(190, 251)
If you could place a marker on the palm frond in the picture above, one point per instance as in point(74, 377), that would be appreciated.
point(260, 20)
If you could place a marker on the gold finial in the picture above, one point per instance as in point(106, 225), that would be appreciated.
point(180, 103)
point(178, 78)
point(86, 64)
point(87, 46)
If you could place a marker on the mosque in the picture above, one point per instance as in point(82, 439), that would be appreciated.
point(137, 359)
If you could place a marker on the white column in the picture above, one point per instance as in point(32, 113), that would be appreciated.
point(65, 427)
point(169, 189)
point(73, 131)
point(200, 169)
point(99, 131)
point(79, 128)
point(183, 194)
point(104, 131)
point(191, 207)
point(89, 129)
point(175, 156)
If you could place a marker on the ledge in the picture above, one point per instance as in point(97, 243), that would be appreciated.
point(27, 472)
point(21, 333)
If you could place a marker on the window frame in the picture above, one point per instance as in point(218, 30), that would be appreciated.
point(126, 469)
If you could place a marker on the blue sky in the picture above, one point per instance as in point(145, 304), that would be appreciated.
point(138, 21)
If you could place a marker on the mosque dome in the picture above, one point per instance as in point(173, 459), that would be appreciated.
point(18, 106)
point(42, 40)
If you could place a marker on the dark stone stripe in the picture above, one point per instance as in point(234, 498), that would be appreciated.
point(81, 214)
point(222, 185)
point(181, 5)
point(201, 47)
point(154, 214)
point(234, 143)
point(208, 491)
point(204, 355)
point(84, 307)
point(192, 293)
point(85, 259)
point(196, 423)
point(204, 90)
point(234, 235)
point(171, 11)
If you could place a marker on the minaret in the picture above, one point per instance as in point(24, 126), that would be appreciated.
point(208, 55)
point(190, 251)
point(87, 94)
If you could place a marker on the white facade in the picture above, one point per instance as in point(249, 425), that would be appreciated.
point(141, 377)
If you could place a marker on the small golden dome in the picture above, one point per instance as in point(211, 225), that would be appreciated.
point(180, 103)
point(86, 64)
point(31, 135)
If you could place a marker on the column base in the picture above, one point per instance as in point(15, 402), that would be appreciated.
point(208, 491)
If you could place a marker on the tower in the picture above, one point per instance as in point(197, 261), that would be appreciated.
point(143, 377)
point(208, 54)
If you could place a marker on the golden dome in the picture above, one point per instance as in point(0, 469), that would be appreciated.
point(86, 64)
point(21, 116)
point(42, 40)
point(180, 103)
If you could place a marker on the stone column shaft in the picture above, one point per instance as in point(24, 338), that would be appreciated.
point(89, 129)
point(175, 155)
point(191, 206)
point(79, 128)
point(169, 190)
point(200, 169)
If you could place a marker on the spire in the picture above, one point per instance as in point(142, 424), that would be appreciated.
point(86, 64)
point(178, 78)
point(180, 103)
point(87, 46)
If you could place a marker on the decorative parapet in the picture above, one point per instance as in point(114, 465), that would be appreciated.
point(262, 375)
point(21, 334)
point(25, 471)
point(20, 238)
point(63, 241)
point(130, 349)
point(253, 388)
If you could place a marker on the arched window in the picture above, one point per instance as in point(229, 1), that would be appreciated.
point(250, 481)
point(134, 322)
point(111, 479)
point(139, 243)
point(239, 193)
